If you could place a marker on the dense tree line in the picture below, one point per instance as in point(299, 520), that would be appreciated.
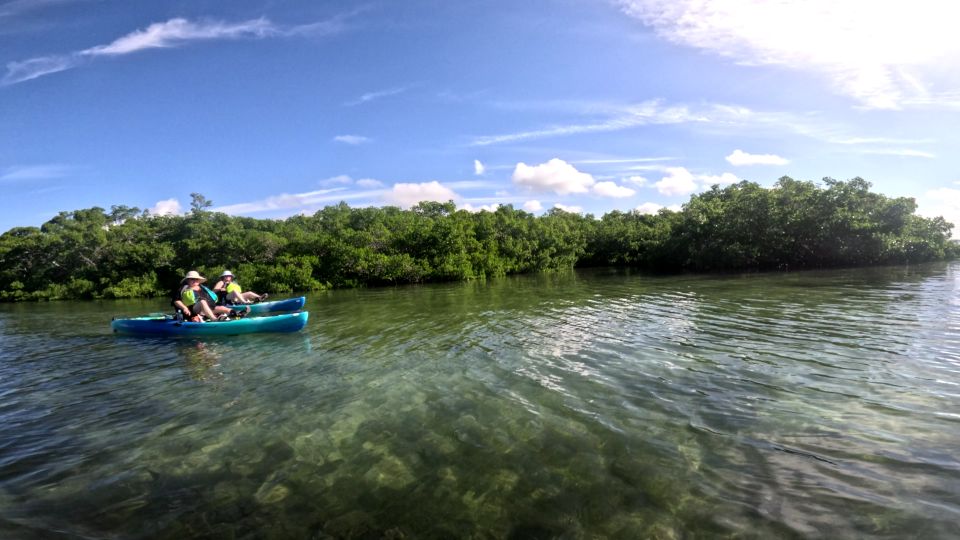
point(125, 253)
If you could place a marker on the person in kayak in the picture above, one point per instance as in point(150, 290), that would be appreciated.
point(198, 301)
point(232, 293)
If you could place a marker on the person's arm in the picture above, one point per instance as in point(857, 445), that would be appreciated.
point(219, 287)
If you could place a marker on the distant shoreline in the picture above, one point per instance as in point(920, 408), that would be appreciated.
point(795, 225)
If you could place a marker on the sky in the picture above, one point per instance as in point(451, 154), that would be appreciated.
point(272, 108)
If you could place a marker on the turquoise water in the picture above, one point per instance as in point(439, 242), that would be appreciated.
point(594, 404)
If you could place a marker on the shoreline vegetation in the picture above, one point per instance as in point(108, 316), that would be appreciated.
point(128, 253)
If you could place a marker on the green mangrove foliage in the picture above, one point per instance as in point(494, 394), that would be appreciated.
point(127, 253)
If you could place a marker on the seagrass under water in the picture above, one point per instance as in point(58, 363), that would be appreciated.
point(586, 405)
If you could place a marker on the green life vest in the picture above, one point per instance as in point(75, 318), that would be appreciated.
point(189, 298)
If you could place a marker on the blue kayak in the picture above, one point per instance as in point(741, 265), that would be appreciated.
point(276, 306)
point(163, 326)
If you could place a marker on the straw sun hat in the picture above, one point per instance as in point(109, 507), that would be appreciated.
point(193, 274)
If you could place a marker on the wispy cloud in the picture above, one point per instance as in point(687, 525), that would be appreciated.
point(646, 113)
point(178, 31)
point(713, 117)
point(168, 34)
point(294, 202)
point(882, 54)
point(352, 139)
point(16, 7)
point(380, 94)
point(879, 140)
point(903, 152)
point(620, 160)
point(471, 184)
point(35, 172)
point(886, 146)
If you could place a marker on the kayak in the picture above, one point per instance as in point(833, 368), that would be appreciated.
point(276, 306)
point(164, 326)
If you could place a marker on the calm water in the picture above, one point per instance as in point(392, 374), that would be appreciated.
point(588, 405)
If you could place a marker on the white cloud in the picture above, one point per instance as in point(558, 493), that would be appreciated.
point(611, 189)
point(474, 209)
point(941, 202)
point(369, 183)
point(571, 209)
point(407, 195)
point(555, 175)
point(739, 157)
point(35, 172)
point(649, 208)
point(533, 206)
point(882, 54)
point(352, 139)
point(724, 179)
point(478, 168)
point(166, 207)
point(638, 180)
point(679, 181)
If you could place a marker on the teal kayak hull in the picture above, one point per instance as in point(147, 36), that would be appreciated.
point(276, 306)
point(160, 326)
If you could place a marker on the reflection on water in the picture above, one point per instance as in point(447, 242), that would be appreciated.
point(595, 404)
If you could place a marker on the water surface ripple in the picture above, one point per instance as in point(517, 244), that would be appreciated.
point(596, 404)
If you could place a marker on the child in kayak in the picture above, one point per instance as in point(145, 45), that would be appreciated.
point(197, 301)
point(232, 293)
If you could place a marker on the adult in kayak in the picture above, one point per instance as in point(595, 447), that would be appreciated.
point(198, 301)
point(231, 292)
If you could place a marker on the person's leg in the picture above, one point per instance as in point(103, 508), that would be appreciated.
point(205, 309)
point(251, 296)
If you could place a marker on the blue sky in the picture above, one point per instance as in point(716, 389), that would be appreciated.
point(275, 107)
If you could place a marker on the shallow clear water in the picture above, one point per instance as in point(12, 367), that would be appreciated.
point(586, 405)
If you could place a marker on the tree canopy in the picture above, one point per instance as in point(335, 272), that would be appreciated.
point(123, 253)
